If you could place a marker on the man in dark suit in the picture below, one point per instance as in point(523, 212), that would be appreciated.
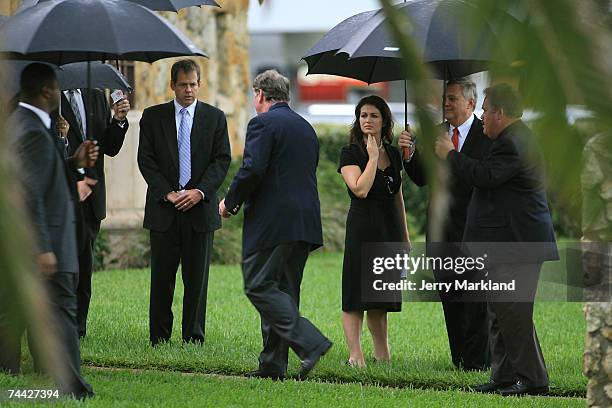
point(466, 319)
point(77, 104)
point(277, 184)
point(183, 155)
point(508, 206)
point(50, 196)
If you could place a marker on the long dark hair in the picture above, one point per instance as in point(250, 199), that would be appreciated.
point(386, 133)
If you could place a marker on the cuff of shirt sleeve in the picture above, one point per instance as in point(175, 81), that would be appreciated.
point(410, 157)
point(203, 196)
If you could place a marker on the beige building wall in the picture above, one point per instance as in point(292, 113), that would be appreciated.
point(8, 7)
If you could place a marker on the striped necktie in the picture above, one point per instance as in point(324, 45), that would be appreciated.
point(77, 112)
point(184, 148)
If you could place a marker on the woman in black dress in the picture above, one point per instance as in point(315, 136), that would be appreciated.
point(371, 168)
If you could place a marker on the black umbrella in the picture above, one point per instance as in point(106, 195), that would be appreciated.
point(361, 46)
point(69, 76)
point(163, 5)
point(105, 76)
point(174, 5)
point(442, 29)
point(68, 31)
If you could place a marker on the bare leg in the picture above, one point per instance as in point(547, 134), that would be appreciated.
point(351, 323)
point(377, 324)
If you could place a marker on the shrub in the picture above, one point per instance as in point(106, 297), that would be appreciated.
point(227, 247)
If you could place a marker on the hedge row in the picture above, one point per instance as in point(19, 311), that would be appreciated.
point(335, 201)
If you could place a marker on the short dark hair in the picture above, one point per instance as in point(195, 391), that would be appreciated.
point(185, 65)
point(274, 86)
point(34, 78)
point(386, 133)
point(503, 96)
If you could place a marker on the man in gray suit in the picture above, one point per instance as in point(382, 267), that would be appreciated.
point(50, 197)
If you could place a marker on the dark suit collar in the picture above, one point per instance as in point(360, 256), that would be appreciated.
point(473, 134)
point(169, 130)
point(201, 127)
point(68, 114)
point(27, 112)
point(34, 116)
point(38, 112)
point(279, 105)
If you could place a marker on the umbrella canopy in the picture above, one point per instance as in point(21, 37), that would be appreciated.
point(70, 76)
point(174, 5)
point(11, 72)
point(162, 5)
point(105, 76)
point(361, 46)
point(65, 31)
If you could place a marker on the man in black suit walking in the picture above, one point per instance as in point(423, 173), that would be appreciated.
point(509, 206)
point(183, 155)
point(277, 184)
point(466, 319)
point(77, 104)
point(50, 196)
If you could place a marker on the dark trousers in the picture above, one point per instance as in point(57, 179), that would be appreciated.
point(272, 279)
point(91, 228)
point(192, 249)
point(61, 294)
point(515, 350)
point(465, 315)
point(468, 333)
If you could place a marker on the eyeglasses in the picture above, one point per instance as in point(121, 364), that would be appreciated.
point(389, 183)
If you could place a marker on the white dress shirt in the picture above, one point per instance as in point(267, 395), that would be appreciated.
point(177, 115)
point(464, 129)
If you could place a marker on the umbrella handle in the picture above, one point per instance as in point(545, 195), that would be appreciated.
point(405, 150)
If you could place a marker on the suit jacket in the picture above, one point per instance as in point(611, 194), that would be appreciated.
point(475, 146)
point(158, 160)
point(509, 201)
point(106, 131)
point(49, 193)
point(277, 182)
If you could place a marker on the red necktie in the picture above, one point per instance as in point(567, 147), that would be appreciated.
point(455, 138)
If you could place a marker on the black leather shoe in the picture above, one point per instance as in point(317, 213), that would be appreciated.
point(490, 387)
point(313, 358)
point(265, 374)
point(519, 389)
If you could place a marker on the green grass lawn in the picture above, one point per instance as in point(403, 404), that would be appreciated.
point(118, 337)
point(127, 388)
